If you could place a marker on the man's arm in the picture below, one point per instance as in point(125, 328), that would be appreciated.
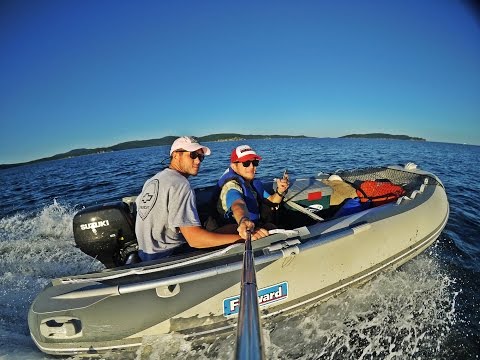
point(198, 237)
point(240, 214)
point(235, 202)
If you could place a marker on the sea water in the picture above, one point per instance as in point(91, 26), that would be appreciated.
point(426, 309)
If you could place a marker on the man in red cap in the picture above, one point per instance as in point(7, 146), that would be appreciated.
point(167, 216)
point(241, 195)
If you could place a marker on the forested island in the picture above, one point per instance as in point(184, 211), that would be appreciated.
point(383, 136)
point(166, 140)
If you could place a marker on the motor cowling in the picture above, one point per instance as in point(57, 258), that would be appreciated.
point(107, 232)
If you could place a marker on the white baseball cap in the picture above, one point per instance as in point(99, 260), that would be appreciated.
point(188, 143)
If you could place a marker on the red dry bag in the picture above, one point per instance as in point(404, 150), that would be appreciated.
point(379, 192)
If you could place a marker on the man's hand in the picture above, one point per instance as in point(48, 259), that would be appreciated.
point(259, 233)
point(245, 224)
point(283, 184)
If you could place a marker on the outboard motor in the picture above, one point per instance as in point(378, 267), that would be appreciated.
point(107, 233)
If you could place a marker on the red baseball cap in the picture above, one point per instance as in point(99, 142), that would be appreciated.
point(243, 153)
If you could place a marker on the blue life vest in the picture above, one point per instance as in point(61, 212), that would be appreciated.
point(251, 200)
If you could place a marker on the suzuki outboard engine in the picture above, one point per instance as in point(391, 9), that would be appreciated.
point(107, 233)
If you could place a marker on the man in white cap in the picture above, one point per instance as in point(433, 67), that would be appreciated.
point(240, 195)
point(167, 216)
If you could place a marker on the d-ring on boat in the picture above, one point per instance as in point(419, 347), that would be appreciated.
point(334, 226)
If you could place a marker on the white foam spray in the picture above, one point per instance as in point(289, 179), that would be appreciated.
point(403, 314)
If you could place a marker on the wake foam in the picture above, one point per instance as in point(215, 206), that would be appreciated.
point(35, 248)
point(403, 314)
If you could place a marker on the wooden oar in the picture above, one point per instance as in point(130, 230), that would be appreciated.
point(249, 344)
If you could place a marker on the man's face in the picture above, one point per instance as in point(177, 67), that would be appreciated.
point(189, 162)
point(246, 169)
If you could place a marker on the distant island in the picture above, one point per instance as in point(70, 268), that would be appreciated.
point(383, 136)
point(167, 140)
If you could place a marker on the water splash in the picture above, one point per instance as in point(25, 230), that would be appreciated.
point(404, 314)
point(34, 248)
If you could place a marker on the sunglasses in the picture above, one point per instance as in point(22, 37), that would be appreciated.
point(248, 162)
point(194, 155)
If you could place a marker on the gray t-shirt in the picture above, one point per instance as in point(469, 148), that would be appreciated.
point(166, 203)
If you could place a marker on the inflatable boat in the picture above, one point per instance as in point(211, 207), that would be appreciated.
point(334, 231)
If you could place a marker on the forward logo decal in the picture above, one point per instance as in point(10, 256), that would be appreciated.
point(266, 296)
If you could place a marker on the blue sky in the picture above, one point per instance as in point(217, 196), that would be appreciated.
point(83, 74)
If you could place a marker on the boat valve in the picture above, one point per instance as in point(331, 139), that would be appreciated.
point(166, 291)
point(61, 328)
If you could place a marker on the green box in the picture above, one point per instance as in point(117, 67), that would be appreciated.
point(310, 191)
